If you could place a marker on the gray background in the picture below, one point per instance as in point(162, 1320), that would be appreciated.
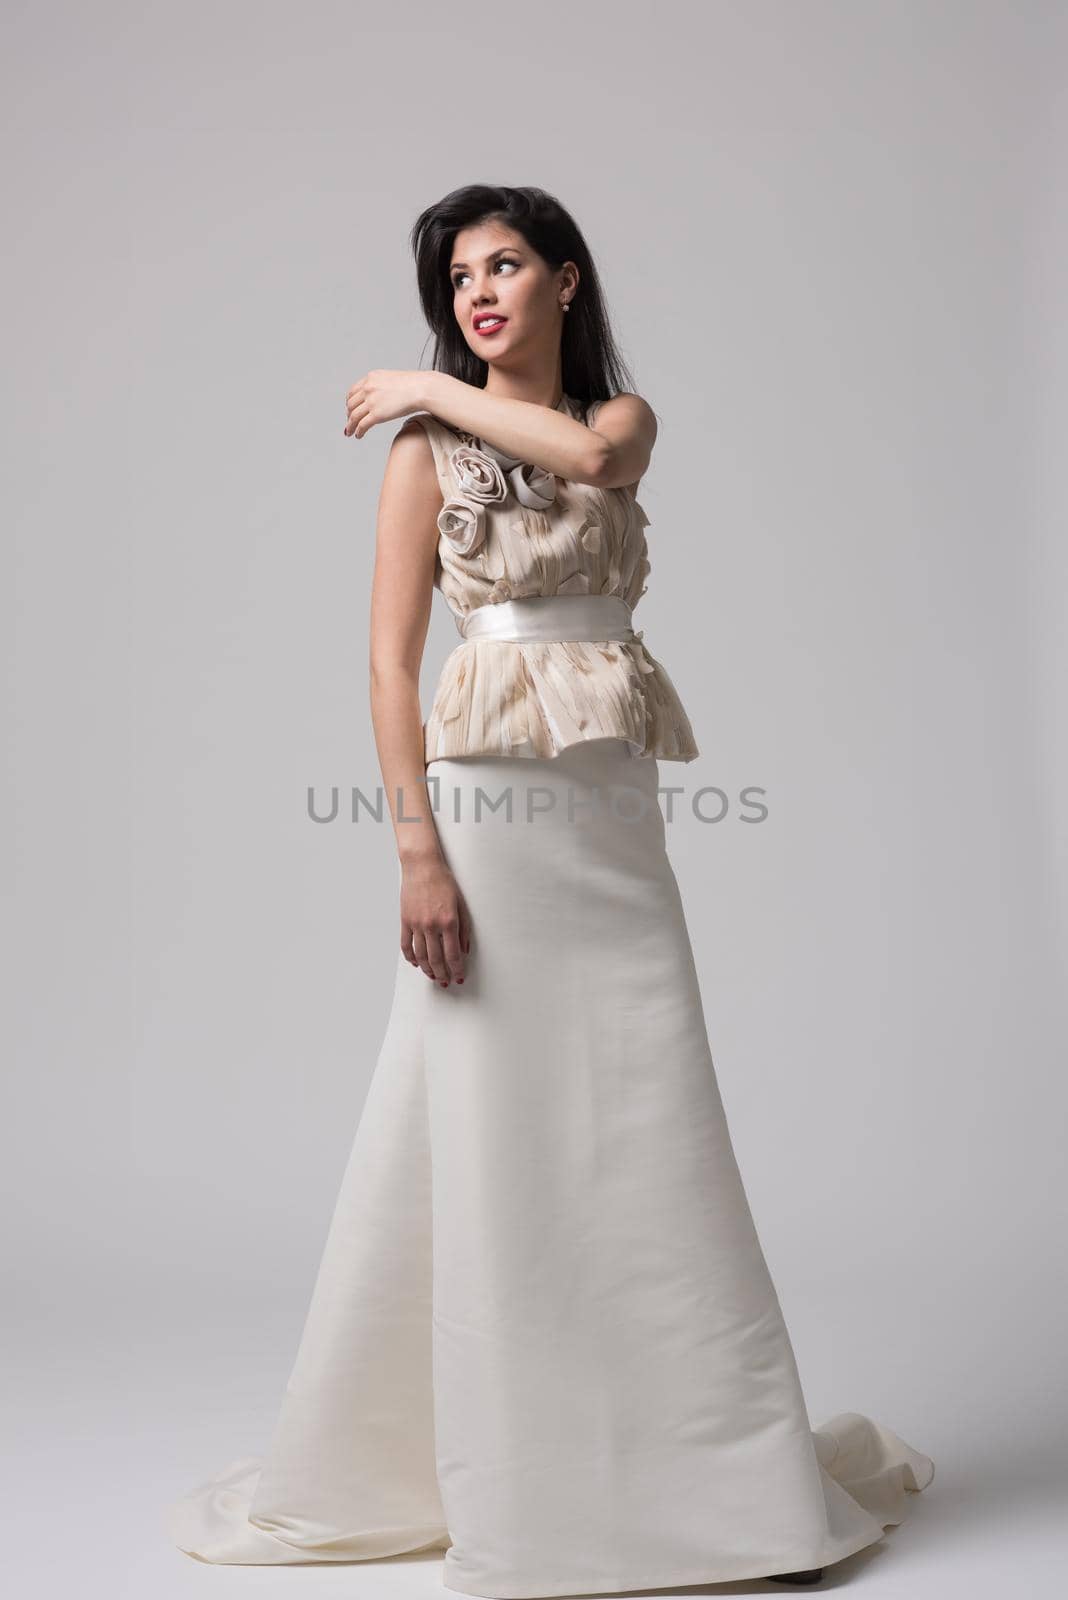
point(833, 241)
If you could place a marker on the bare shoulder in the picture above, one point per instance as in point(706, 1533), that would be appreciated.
point(412, 447)
point(411, 470)
point(413, 428)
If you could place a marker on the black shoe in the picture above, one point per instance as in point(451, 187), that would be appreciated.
point(813, 1575)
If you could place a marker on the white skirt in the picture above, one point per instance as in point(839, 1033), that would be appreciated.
point(544, 1338)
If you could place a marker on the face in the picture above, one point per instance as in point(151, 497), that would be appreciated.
point(496, 275)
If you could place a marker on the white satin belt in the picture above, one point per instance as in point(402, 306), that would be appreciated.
point(589, 617)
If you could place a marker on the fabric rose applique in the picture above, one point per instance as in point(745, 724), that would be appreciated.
point(463, 525)
point(532, 486)
point(481, 479)
point(462, 519)
point(485, 476)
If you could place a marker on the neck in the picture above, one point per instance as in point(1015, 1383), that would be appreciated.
point(537, 392)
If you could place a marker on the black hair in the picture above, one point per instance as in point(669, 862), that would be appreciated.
point(592, 366)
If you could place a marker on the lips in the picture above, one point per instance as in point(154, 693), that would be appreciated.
point(488, 322)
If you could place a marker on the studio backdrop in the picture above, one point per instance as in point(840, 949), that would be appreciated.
point(833, 244)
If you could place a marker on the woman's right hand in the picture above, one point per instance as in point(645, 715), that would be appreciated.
point(435, 923)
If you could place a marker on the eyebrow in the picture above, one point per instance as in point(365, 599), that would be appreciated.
point(499, 252)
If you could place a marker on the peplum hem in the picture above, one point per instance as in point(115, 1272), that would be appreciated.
point(535, 698)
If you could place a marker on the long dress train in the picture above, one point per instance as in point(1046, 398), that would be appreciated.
point(544, 1338)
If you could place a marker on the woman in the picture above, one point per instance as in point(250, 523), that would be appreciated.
point(543, 1337)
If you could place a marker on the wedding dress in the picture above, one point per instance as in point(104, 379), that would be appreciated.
point(544, 1339)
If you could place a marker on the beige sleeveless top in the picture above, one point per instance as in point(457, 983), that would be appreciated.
point(506, 534)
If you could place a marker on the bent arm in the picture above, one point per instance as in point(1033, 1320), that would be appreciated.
point(401, 595)
point(614, 453)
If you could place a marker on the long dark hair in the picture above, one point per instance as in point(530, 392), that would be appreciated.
point(592, 366)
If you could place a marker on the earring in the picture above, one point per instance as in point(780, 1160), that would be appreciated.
point(566, 305)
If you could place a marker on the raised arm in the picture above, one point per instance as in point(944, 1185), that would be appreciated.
point(615, 452)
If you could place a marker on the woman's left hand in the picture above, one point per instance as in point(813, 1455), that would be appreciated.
point(382, 397)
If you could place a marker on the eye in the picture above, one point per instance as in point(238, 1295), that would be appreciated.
point(459, 277)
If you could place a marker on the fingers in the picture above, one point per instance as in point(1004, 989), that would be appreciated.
point(452, 951)
point(436, 957)
point(358, 405)
point(438, 951)
point(359, 413)
point(419, 950)
point(426, 948)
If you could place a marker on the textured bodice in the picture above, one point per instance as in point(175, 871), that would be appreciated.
point(509, 530)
